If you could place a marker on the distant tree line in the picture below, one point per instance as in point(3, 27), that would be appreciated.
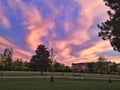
point(42, 61)
point(102, 66)
point(39, 62)
point(7, 63)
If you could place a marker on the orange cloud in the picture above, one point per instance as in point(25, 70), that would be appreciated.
point(92, 52)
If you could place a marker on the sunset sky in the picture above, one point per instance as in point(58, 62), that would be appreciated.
point(68, 26)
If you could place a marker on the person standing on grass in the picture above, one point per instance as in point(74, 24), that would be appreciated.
point(110, 81)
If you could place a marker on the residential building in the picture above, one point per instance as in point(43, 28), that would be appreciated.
point(79, 67)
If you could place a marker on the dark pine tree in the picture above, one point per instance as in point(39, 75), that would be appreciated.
point(110, 29)
point(40, 61)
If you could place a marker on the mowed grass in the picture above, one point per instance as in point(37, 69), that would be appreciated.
point(69, 74)
point(34, 73)
point(58, 84)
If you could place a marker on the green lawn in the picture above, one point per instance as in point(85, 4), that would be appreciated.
point(58, 84)
point(114, 76)
point(31, 73)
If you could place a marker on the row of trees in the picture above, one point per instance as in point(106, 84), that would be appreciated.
point(6, 62)
point(42, 61)
point(102, 66)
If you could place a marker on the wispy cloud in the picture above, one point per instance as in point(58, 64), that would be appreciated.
point(5, 43)
point(18, 53)
point(3, 18)
point(68, 26)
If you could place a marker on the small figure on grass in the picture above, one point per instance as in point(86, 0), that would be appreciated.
point(1, 73)
point(51, 79)
point(110, 81)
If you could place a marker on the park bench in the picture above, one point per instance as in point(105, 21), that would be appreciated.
point(76, 75)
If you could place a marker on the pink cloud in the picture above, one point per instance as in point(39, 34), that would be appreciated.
point(17, 52)
point(91, 11)
point(34, 24)
point(36, 27)
point(3, 19)
point(5, 42)
point(87, 15)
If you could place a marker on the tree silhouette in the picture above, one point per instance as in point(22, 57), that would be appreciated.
point(110, 29)
point(6, 59)
point(40, 61)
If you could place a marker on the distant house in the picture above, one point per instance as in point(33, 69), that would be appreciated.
point(84, 67)
point(110, 63)
point(79, 67)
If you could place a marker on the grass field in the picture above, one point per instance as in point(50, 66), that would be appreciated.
point(30, 73)
point(58, 84)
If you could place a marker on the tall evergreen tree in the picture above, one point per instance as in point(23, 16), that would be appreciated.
point(40, 61)
point(110, 29)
